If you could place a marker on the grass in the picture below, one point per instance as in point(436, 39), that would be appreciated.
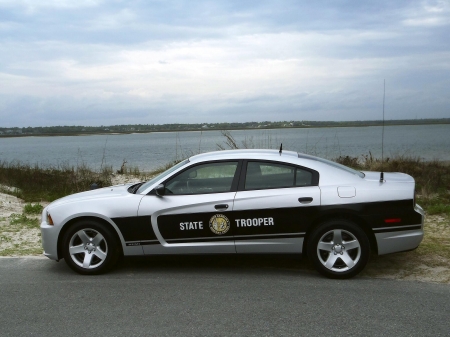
point(135, 172)
point(432, 177)
point(33, 209)
point(262, 142)
point(20, 233)
point(165, 167)
point(438, 209)
point(5, 238)
point(23, 221)
point(16, 250)
point(430, 261)
point(35, 183)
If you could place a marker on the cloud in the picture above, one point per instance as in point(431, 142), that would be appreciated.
point(31, 5)
point(203, 61)
point(429, 14)
point(426, 22)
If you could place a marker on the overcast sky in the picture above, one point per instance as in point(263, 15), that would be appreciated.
point(93, 62)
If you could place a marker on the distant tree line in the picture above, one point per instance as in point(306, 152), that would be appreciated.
point(142, 128)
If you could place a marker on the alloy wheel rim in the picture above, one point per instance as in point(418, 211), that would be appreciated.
point(339, 250)
point(88, 248)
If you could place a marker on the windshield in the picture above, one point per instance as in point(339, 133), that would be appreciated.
point(161, 176)
point(334, 164)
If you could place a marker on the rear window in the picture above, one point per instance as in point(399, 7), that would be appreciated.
point(333, 164)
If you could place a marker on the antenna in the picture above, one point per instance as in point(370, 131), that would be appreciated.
point(281, 148)
point(382, 136)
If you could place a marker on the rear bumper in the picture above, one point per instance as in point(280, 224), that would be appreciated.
point(401, 238)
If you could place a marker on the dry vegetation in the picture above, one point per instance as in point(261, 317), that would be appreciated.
point(19, 222)
point(19, 226)
point(432, 177)
point(431, 261)
point(35, 183)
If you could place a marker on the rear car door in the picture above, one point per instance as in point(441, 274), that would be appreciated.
point(193, 214)
point(274, 206)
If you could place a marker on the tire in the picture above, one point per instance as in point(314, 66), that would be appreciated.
point(338, 249)
point(90, 248)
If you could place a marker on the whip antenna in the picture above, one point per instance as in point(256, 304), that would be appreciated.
point(382, 136)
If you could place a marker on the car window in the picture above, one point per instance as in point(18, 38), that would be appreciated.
point(262, 175)
point(149, 183)
point(303, 177)
point(205, 178)
point(333, 164)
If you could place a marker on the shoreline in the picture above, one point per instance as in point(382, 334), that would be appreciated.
point(118, 133)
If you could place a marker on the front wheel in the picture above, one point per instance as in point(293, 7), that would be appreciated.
point(90, 248)
point(339, 249)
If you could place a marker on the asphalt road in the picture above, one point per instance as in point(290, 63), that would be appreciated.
point(212, 296)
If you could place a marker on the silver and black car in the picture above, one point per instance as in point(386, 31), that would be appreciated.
point(240, 202)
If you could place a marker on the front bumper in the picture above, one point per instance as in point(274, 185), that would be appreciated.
point(49, 235)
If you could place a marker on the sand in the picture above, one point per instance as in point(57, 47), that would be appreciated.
point(423, 264)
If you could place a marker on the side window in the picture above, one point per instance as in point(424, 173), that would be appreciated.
point(205, 178)
point(262, 175)
point(303, 177)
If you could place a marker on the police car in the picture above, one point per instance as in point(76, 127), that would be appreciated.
point(240, 202)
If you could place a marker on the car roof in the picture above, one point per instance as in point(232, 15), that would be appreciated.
point(245, 153)
point(329, 170)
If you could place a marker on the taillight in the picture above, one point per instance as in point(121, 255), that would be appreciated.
point(392, 220)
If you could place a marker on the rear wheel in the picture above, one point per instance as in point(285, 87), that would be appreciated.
point(339, 249)
point(90, 247)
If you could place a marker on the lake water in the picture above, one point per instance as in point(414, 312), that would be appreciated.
point(148, 151)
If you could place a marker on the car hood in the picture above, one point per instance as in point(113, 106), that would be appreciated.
point(396, 177)
point(101, 193)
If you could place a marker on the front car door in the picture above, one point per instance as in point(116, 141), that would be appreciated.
point(193, 214)
point(274, 206)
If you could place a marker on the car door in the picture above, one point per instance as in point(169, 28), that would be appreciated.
point(274, 206)
point(193, 214)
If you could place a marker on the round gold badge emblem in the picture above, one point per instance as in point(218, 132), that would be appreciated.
point(219, 224)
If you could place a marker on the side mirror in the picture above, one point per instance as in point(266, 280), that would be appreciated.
point(160, 190)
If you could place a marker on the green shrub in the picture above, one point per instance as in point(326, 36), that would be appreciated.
point(33, 209)
point(438, 209)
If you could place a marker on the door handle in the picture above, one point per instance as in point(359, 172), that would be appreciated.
point(305, 200)
point(221, 207)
